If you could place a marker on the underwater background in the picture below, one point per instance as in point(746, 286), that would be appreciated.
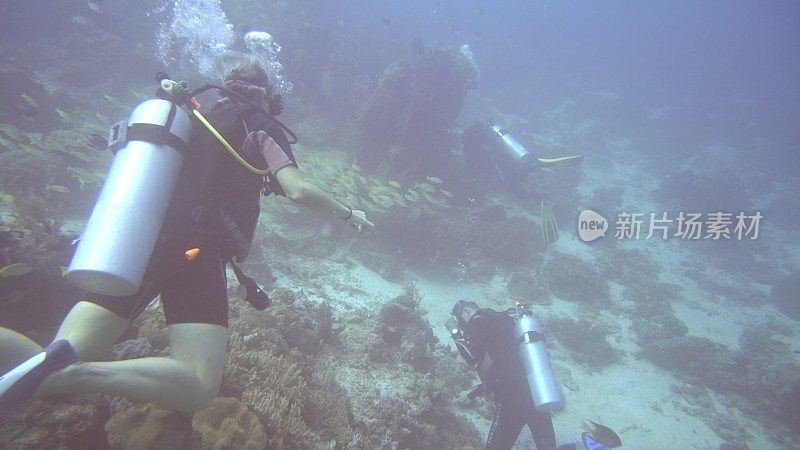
point(678, 107)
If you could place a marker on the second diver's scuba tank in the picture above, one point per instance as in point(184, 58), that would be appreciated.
point(536, 361)
point(119, 237)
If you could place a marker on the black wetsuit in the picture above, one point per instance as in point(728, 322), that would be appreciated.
point(483, 151)
point(194, 290)
point(492, 332)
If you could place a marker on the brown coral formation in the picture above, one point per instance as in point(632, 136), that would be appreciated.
point(407, 118)
point(228, 424)
point(146, 427)
point(575, 280)
point(58, 422)
point(271, 367)
point(527, 288)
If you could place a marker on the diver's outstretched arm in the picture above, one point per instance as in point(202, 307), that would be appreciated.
point(309, 195)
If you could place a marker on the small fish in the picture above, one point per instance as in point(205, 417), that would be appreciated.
point(603, 435)
point(425, 187)
point(6, 198)
point(96, 141)
point(57, 188)
point(61, 113)
point(62, 270)
point(79, 171)
point(28, 99)
point(80, 155)
point(16, 269)
point(80, 20)
point(6, 143)
point(436, 180)
point(94, 6)
point(446, 193)
point(291, 208)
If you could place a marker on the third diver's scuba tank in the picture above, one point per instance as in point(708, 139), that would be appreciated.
point(120, 235)
point(536, 361)
point(521, 157)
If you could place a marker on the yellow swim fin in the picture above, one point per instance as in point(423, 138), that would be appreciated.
point(548, 223)
point(564, 161)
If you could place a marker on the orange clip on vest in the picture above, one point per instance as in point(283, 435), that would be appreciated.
point(192, 253)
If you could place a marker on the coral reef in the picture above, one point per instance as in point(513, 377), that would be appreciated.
point(761, 370)
point(573, 279)
point(652, 315)
point(404, 332)
point(228, 424)
point(145, 427)
point(413, 408)
point(56, 422)
point(637, 269)
point(586, 340)
point(529, 289)
point(784, 295)
point(271, 368)
point(407, 119)
point(719, 190)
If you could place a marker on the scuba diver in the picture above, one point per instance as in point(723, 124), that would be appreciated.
point(489, 147)
point(508, 350)
point(126, 257)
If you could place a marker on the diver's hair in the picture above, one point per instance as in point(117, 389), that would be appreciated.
point(245, 75)
point(458, 308)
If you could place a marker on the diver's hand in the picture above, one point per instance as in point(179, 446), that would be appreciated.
point(358, 220)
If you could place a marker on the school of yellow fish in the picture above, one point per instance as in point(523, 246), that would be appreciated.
point(342, 177)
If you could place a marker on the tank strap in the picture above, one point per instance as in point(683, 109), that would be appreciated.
point(532, 336)
point(157, 134)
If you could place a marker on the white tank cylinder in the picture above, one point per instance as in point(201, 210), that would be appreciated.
point(536, 361)
point(514, 149)
point(119, 237)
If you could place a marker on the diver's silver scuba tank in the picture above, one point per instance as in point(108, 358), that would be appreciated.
point(516, 151)
point(536, 361)
point(119, 237)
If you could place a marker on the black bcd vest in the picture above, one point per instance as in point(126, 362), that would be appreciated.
point(216, 200)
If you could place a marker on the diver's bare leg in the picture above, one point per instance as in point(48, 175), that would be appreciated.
point(188, 380)
point(91, 330)
point(15, 348)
